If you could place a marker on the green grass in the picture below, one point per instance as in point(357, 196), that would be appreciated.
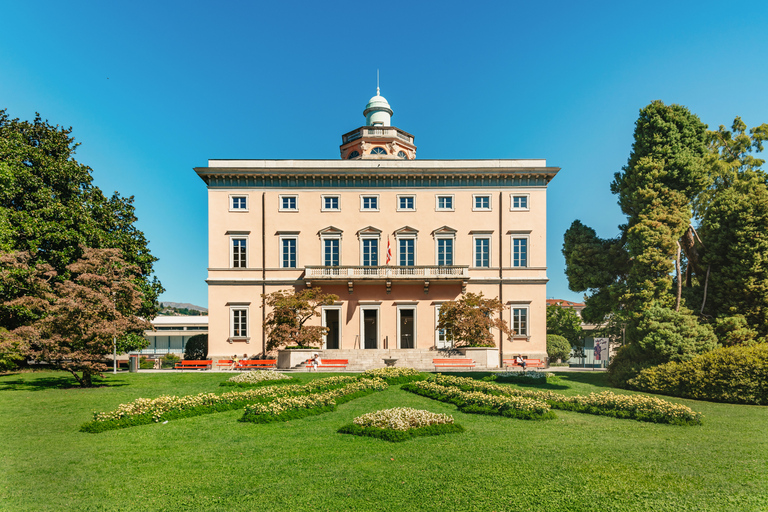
point(577, 462)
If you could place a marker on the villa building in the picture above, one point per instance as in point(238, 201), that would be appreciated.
point(394, 237)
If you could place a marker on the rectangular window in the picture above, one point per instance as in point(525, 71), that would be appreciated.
point(288, 253)
point(238, 203)
point(407, 248)
point(445, 203)
point(445, 251)
point(481, 203)
point(330, 204)
point(370, 203)
point(520, 202)
point(238, 253)
point(482, 252)
point(289, 203)
point(370, 252)
point(239, 323)
point(519, 252)
point(406, 203)
point(331, 252)
point(520, 321)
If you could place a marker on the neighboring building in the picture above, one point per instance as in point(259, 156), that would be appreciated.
point(169, 334)
point(587, 357)
point(451, 226)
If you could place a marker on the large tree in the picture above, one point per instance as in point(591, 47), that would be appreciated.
point(50, 209)
point(564, 322)
point(468, 320)
point(286, 323)
point(76, 321)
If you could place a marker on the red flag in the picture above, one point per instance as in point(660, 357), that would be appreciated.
point(389, 251)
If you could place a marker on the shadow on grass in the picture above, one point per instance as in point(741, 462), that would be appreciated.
point(586, 377)
point(62, 382)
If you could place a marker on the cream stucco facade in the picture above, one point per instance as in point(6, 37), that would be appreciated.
point(451, 225)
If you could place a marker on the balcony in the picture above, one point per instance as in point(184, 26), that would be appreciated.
point(387, 274)
point(389, 132)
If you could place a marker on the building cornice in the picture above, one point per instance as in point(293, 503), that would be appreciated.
point(376, 173)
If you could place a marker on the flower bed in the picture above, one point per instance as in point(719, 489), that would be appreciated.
point(607, 403)
point(293, 407)
point(400, 424)
point(394, 375)
point(482, 403)
point(523, 377)
point(143, 411)
point(256, 378)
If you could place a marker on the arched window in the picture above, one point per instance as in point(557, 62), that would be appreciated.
point(401, 154)
point(378, 151)
point(353, 154)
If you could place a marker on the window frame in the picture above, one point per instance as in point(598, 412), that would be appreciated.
point(438, 208)
point(232, 239)
point(405, 196)
point(475, 238)
point(369, 196)
point(400, 239)
point(452, 239)
point(475, 208)
point(323, 197)
point(447, 339)
point(323, 239)
point(363, 239)
point(525, 308)
point(232, 198)
point(512, 207)
point(281, 208)
point(284, 238)
point(527, 238)
point(246, 313)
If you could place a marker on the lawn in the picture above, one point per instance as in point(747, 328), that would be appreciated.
point(577, 462)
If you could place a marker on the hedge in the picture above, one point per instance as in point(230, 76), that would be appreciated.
point(737, 375)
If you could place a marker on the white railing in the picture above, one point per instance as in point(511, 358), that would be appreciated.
point(377, 132)
point(389, 272)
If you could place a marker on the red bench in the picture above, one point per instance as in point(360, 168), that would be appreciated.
point(191, 364)
point(254, 364)
point(533, 363)
point(330, 363)
point(223, 363)
point(453, 363)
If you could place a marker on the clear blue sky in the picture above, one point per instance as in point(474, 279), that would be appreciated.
point(153, 89)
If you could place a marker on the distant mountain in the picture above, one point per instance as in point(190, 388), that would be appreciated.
point(182, 308)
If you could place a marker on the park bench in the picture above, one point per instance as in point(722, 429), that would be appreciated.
point(529, 363)
point(330, 363)
point(453, 363)
point(191, 364)
point(255, 364)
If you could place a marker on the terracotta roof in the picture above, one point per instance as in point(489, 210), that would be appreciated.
point(565, 303)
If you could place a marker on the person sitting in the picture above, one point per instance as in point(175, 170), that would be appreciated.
point(315, 361)
point(234, 362)
point(519, 360)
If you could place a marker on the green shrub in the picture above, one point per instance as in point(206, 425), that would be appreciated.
point(734, 330)
point(146, 364)
point(170, 360)
point(196, 347)
point(395, 375)
point(661, 335)
point(558, 347)
point(737, 375)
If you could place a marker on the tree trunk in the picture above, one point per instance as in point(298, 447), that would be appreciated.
point(679, 278)
point(706, 283)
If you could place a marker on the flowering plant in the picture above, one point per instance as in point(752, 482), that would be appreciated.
point(402, 418)
point(258, 377)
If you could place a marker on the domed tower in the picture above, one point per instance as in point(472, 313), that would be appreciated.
point(377, 139)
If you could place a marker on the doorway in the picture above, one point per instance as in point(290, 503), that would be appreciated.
point(370, 328)
point(407, 328)
point(331, 322)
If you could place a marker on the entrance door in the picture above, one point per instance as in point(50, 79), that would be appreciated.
point(370, 328)
point(331, 321)
point(407, 329)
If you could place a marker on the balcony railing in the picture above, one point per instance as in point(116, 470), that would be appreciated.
point(386, 131)
point(388, 272)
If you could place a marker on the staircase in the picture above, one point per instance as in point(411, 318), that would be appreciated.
point(360, 360)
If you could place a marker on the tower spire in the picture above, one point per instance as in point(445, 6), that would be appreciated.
point(378, 91)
